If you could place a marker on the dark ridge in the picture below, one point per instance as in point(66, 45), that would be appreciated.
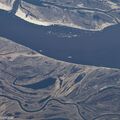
point(17, 113)
point(15, 6)
point(58, 118)
point(79, 78)
point(44, 99)
point(30, 118)
point(34, 2)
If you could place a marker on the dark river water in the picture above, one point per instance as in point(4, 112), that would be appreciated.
point(83, 47)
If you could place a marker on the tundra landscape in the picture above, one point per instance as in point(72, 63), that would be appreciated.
point(34, 86)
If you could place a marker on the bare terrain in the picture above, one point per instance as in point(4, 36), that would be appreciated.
point(92, 15)
point(36, 87)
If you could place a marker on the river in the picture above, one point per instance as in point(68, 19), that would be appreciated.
point(63, 43)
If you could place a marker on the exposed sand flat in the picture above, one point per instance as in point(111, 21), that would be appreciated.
point(5, 7)
point(103, 26)
point(113, 5)
point(31, 19)
point(6, 4)
point(95, 25)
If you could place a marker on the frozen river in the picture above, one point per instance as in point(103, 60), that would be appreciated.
point(64, 43)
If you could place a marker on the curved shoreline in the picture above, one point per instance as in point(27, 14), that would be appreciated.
point(33, 14)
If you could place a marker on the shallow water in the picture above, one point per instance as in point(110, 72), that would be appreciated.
point(41, 84)
point(63, 43)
